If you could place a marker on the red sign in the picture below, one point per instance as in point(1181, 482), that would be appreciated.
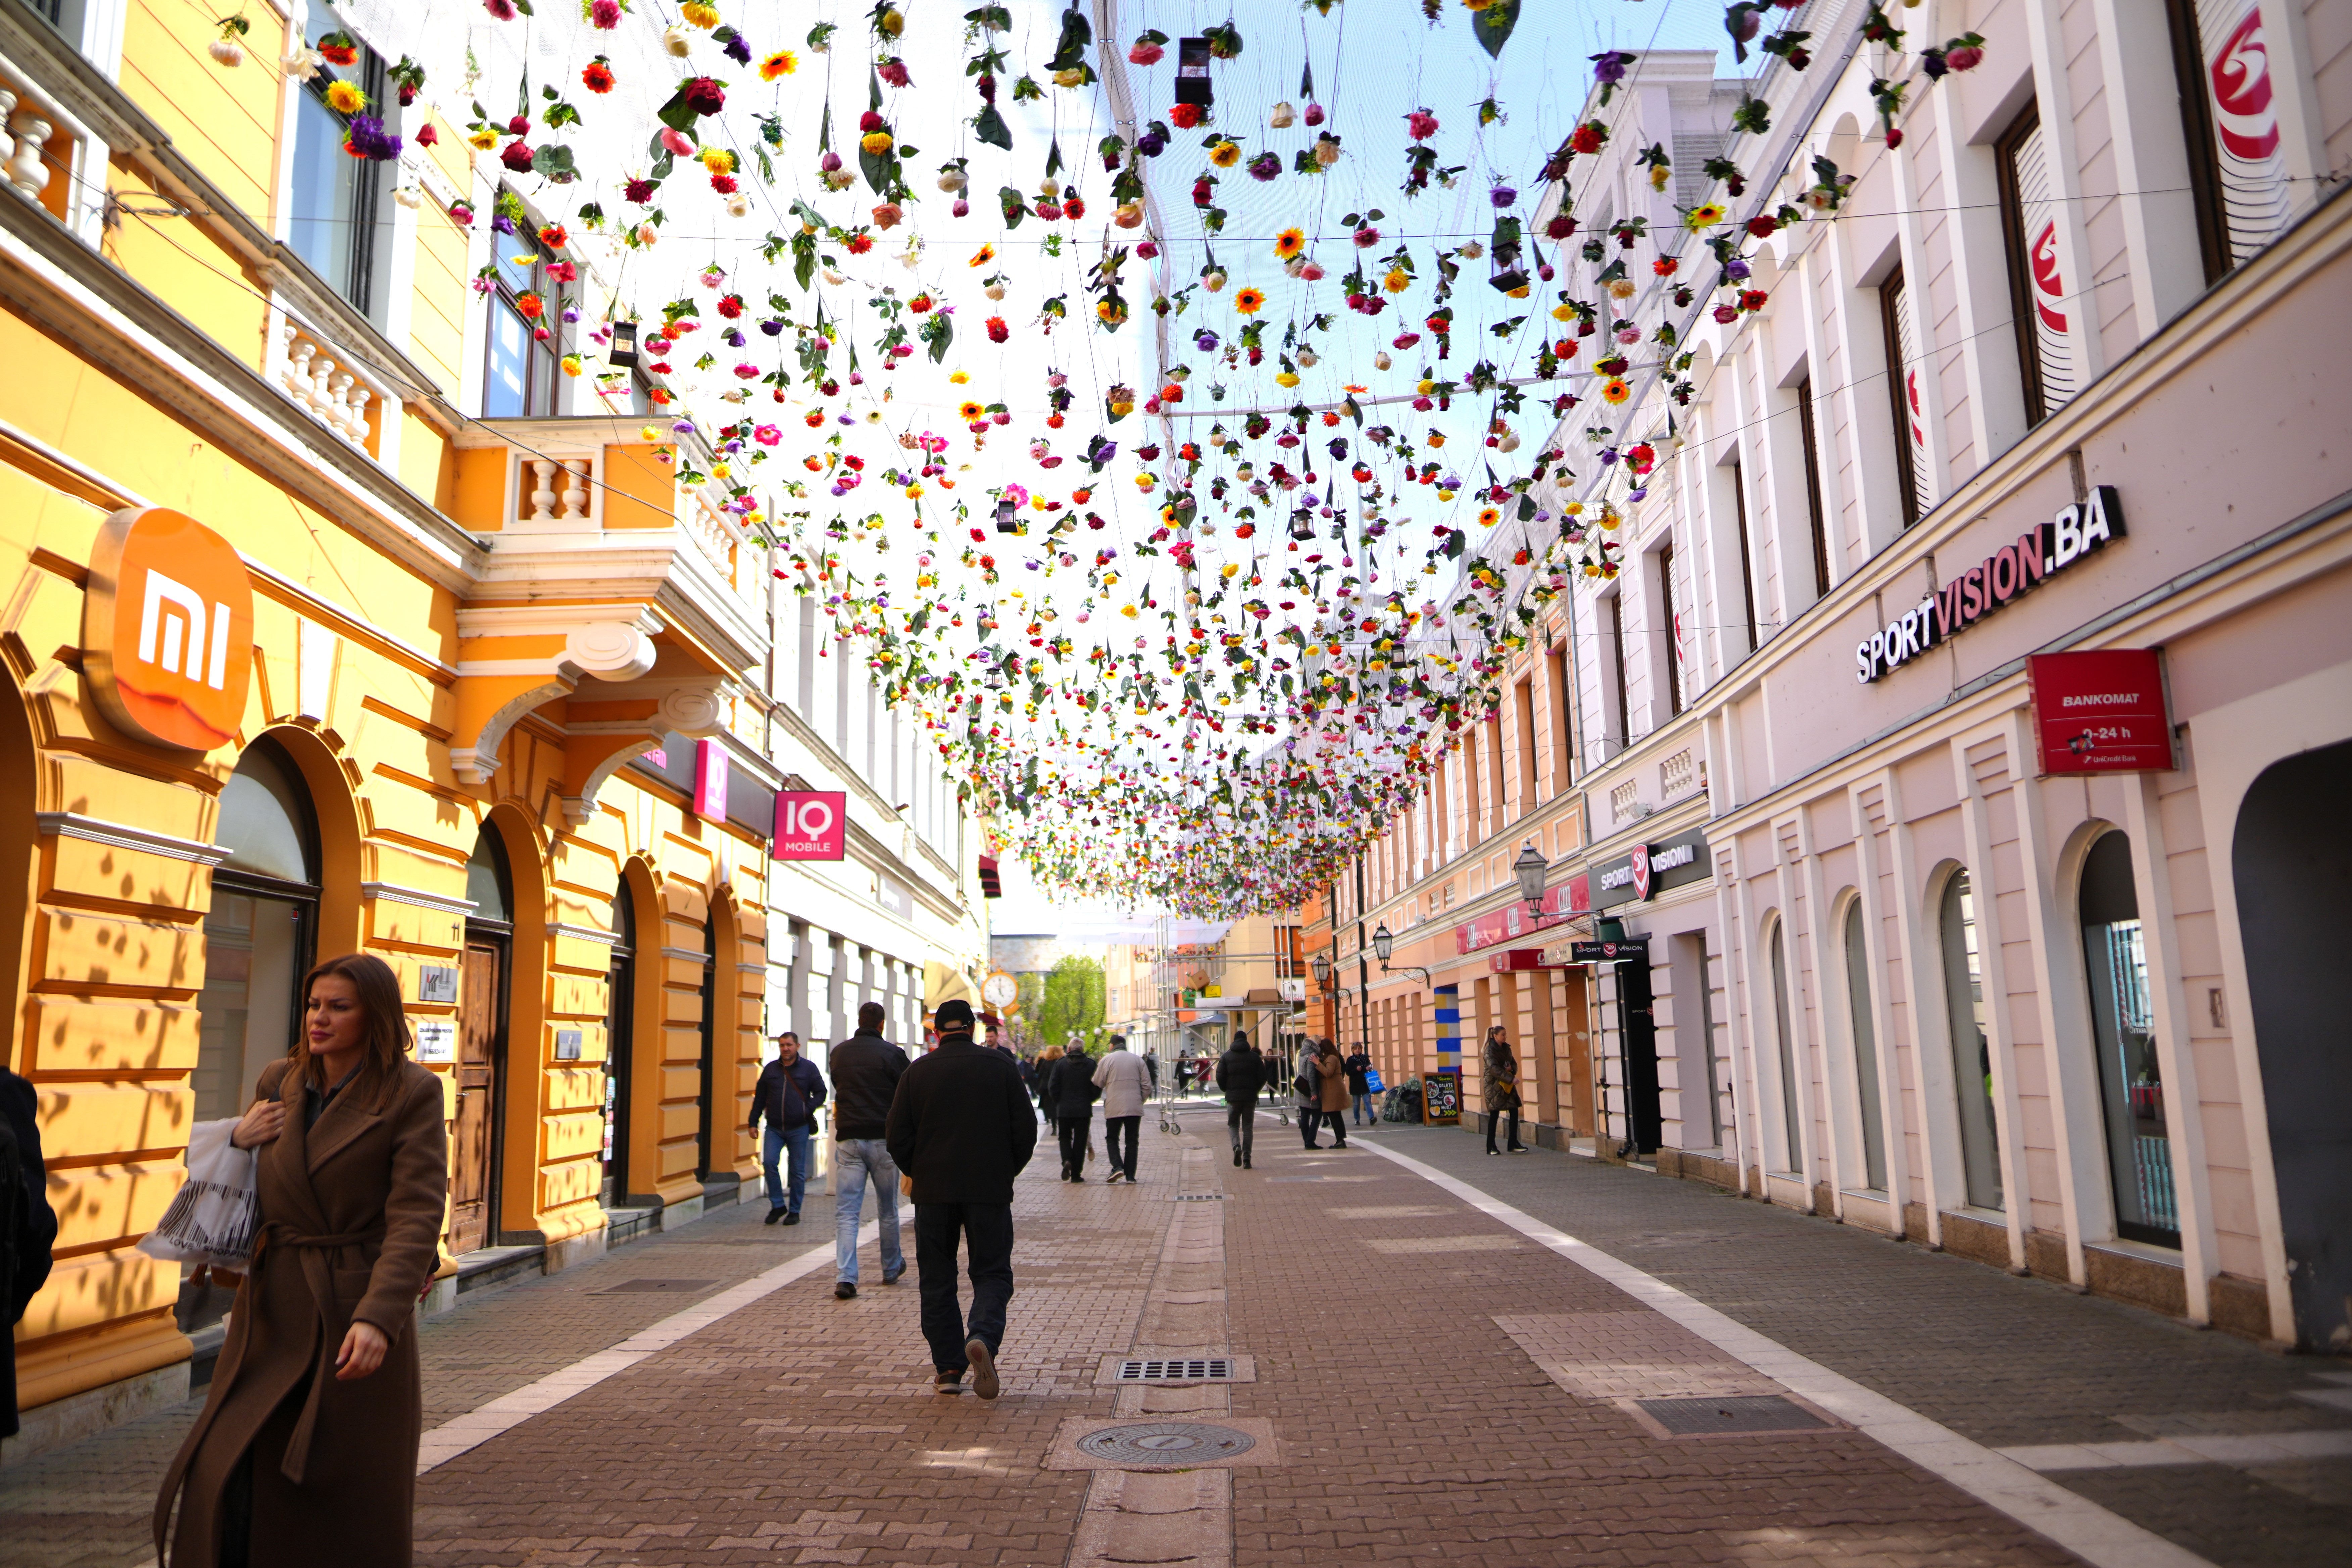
point(1641, 859)
point(711, 773)
point(812, 824)
point(167, 629)
point(2101, 713)
point(1562, 903)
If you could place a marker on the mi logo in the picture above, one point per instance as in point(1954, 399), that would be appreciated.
point(162, 591)
point(167, 630)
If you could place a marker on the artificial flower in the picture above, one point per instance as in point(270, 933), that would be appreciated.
point(502, 9)
point(345, 98)
point(877, 143)
point(1616, 391)
point(1488, 517)
point(784, 62)
point(1289, 243)
point(484, 139)
point(1225, 155)
point(596, 76)
point(1183, 115)
point(604, 13)
point(968, 411)
point(705, 17)
point(958, 377)
point(1249, 302)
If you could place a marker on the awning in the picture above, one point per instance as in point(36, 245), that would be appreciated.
point(941, 983)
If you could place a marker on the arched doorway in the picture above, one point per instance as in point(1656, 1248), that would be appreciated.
point(1963, 1002)
point(481, 1045)
point(620, 1035)
point(2290, 861)
point(2131, 1086)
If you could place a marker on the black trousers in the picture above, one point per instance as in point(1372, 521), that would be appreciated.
point(986, 1230)
point(1310, 1118)
point(1240, 1121)
point(1495, 1120)
point(1114, 1129)
point(1072, 1130)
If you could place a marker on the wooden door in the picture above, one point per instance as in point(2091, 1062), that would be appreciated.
point(472, 1179)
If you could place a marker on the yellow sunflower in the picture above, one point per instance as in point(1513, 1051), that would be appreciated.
point(983, 256)
point(345, 98)
point(1615, 392)
point(875, 141)
point(1397, 282)
point(1706, 215)
point(1488, 517)
point(1225, 155)
point(784, 62)
point(1289, 243)
point(968, 411)
point(958, 377)
point(1249, 302)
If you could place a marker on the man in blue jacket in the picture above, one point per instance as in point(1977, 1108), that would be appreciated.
point(790, 1090)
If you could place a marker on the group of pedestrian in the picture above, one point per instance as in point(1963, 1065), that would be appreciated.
point(1320, 1087)
point(1069, 1083)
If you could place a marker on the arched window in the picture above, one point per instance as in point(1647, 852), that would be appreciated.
point(259, 933)
point(1784, 1018)
point(621, 1004)
point(1971, 1051)
point(1866, 1050)
point(2131, 1089)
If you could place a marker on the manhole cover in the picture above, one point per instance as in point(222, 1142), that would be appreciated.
point(1742, 1413)
point(635, 1285)
point(1172, 1443)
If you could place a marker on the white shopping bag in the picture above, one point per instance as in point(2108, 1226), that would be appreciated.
point(216, 1217)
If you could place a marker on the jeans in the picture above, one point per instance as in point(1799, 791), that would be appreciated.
point(854, 1158)
point(1495, 1121)
point(1240, 1121)
point(795, 1139)
point(1074, 1134)
point(1365, 1114)
point(1311, 1121)
point(987, 1232)
point(1114, 1129)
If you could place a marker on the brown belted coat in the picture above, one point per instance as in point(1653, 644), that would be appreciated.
point(350, 1215)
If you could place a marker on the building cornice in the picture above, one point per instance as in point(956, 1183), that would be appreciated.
point(123, 835)
point(423, 898)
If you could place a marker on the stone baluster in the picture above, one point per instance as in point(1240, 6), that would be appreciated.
point(542, 496)
point(27, 170)
point(7, 139)
point(299, 352)
point(322, 378)
point(575, 492)
point(338, 412)
point(358, 430)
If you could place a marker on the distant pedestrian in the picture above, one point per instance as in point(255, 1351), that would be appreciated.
point(1241, 1074)
point(306, 1450)
point(1307, 1094)
point(787, 1096)
point(1029, 1074)
point(1046, 1098)
point(1331, 1076)
point(1073, 1109)
point(1126, 1084)
point(865, 1073)
point(1359, 1087)
point(960, 1128)
point(29, 1227)
point(1502, 1090)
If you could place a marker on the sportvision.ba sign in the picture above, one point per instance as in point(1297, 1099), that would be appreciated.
point(2040, 553)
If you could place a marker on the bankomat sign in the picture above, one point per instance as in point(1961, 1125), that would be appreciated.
point(2040, 553)
point(167, 629)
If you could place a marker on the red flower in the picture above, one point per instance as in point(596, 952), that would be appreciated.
point(1185, 116)
point(553, 236)
point(517, 157)
point(1420, 124)
point(1589, 137)
point(639, 191)
point(859, 244)
point(1752, 299)
point(426, 136)
point(532, 306)
point(1560, 225)
point(1763, 225)
point(997, 330)
point(596, 77)
point(732, 306)
point(1074, 207)
point(704, 96)
point(920, 304)
point(723, 184)
point(870, 120)
point(1665, 265)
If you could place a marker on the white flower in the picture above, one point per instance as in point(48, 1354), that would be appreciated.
point(229, 51)
point(677, 41)
point(303, 64)
point(1283, 117)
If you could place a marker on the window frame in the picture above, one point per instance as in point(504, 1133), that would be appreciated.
point(1891, 303)
point(1815, 516)
point(2202, 145)
point(368, 74)
point(2017, 263)
point(538, 356)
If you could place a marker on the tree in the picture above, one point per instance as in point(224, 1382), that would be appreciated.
point(1073, 1002)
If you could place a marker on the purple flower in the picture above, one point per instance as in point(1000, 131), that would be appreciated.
point(369, 139)
point(1152, 143)
point(502, 223)
point(1608, 456)
point(1736, 270)
point(738, 50)
point(1502, 196)
point(772, 328)
point(1608, 67)
point(1206, 341)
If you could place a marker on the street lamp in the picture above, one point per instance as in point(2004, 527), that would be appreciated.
point(1384, 944)
point(1530, 868)
point(1321, 964)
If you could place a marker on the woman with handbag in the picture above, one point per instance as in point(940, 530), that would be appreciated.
point(306, 1449)
point(1331, 1089)
point(1502, 1091)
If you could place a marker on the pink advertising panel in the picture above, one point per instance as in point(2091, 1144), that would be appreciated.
point(812, 824)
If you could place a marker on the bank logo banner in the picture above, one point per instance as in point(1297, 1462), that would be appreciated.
point(167, 629)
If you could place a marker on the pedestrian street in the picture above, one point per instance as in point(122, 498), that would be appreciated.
point(1396, 1350)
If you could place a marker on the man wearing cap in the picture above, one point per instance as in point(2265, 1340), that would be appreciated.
point(961, 1128)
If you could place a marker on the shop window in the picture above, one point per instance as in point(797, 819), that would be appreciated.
point(1815, 519)
point(2038, 292)
point(1964, 999)
point(524, 368)
point(334, 198)
point(259, 932)
point(1903, 397)
point(2237, 171)
point(1866, 1050)
point(2131, 1086)
point(1784, 1019)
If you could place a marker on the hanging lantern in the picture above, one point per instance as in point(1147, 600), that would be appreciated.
point(1302, 523)
point(625, 346)
point(1193, 72)
point(1007, 519)
point(1509, 271)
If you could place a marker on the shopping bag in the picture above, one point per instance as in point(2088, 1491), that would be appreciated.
point(216, 1217)
point(1372, 1084)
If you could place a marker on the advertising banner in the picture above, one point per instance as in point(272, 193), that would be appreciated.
point(812, 824)
point(2101, 713)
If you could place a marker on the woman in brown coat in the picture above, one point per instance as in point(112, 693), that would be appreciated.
point(1331, 1073)
point(306, 1450)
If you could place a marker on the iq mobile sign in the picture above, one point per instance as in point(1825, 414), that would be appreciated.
point(811, 824)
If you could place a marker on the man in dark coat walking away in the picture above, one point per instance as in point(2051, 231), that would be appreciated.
point(1241, 1074)
point(789, 1092)
point(962, 1129)
point(29, 1227)
point(865, 1073)
point(1073, 1109)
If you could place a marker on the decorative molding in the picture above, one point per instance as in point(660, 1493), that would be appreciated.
point(122, 836)
point(585, 933)
point(686, 955)
point(526, 620)
point(445, 903)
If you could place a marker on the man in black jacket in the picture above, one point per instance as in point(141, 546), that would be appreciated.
point(865, 1073)
point(790, 1090)
point(1241, 1073)
point(1073, 1108)
point(961, 1128)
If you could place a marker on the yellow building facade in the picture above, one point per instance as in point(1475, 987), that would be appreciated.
point(489, 659)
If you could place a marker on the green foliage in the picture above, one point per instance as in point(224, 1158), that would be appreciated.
point(1071, 1001)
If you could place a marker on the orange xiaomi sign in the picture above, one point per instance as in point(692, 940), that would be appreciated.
point(167, 629)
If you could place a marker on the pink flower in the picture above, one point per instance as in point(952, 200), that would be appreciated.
point(746, 371)
point(502, 9)
point(605, 14)
point(677, 141)
point(1420, 124)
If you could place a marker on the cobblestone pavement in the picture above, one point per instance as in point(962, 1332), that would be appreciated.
point(1421, 1379)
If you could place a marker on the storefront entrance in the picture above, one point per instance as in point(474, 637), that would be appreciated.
point(2292, 864)
point(481, 1047)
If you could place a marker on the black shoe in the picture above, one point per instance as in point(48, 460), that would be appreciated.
point(1237, 1156)
point(844, 1291)
point(1245, 1163)
point(773, 1216)
point(948, 1382)
point(983, 1367)
point(894, 1276)
point(792, 1219)
point(1517, 1149)
point(1075, 1177)
point(1492, 1149)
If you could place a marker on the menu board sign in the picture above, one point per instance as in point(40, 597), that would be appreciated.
point(1441, 1096)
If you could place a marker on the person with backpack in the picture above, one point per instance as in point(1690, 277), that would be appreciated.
point(1073, 1109)
point(865, 1073)
point(789, 1092)
point(29, 1227)
point(1359, 1086)
point(1241, 1075)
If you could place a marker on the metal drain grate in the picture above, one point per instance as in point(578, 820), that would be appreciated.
point(1203, 1369)
point(1742, 1413)
point(1200, 1197)
point(637, 1285)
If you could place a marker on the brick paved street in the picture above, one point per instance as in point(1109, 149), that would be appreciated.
point(1418, 1379)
